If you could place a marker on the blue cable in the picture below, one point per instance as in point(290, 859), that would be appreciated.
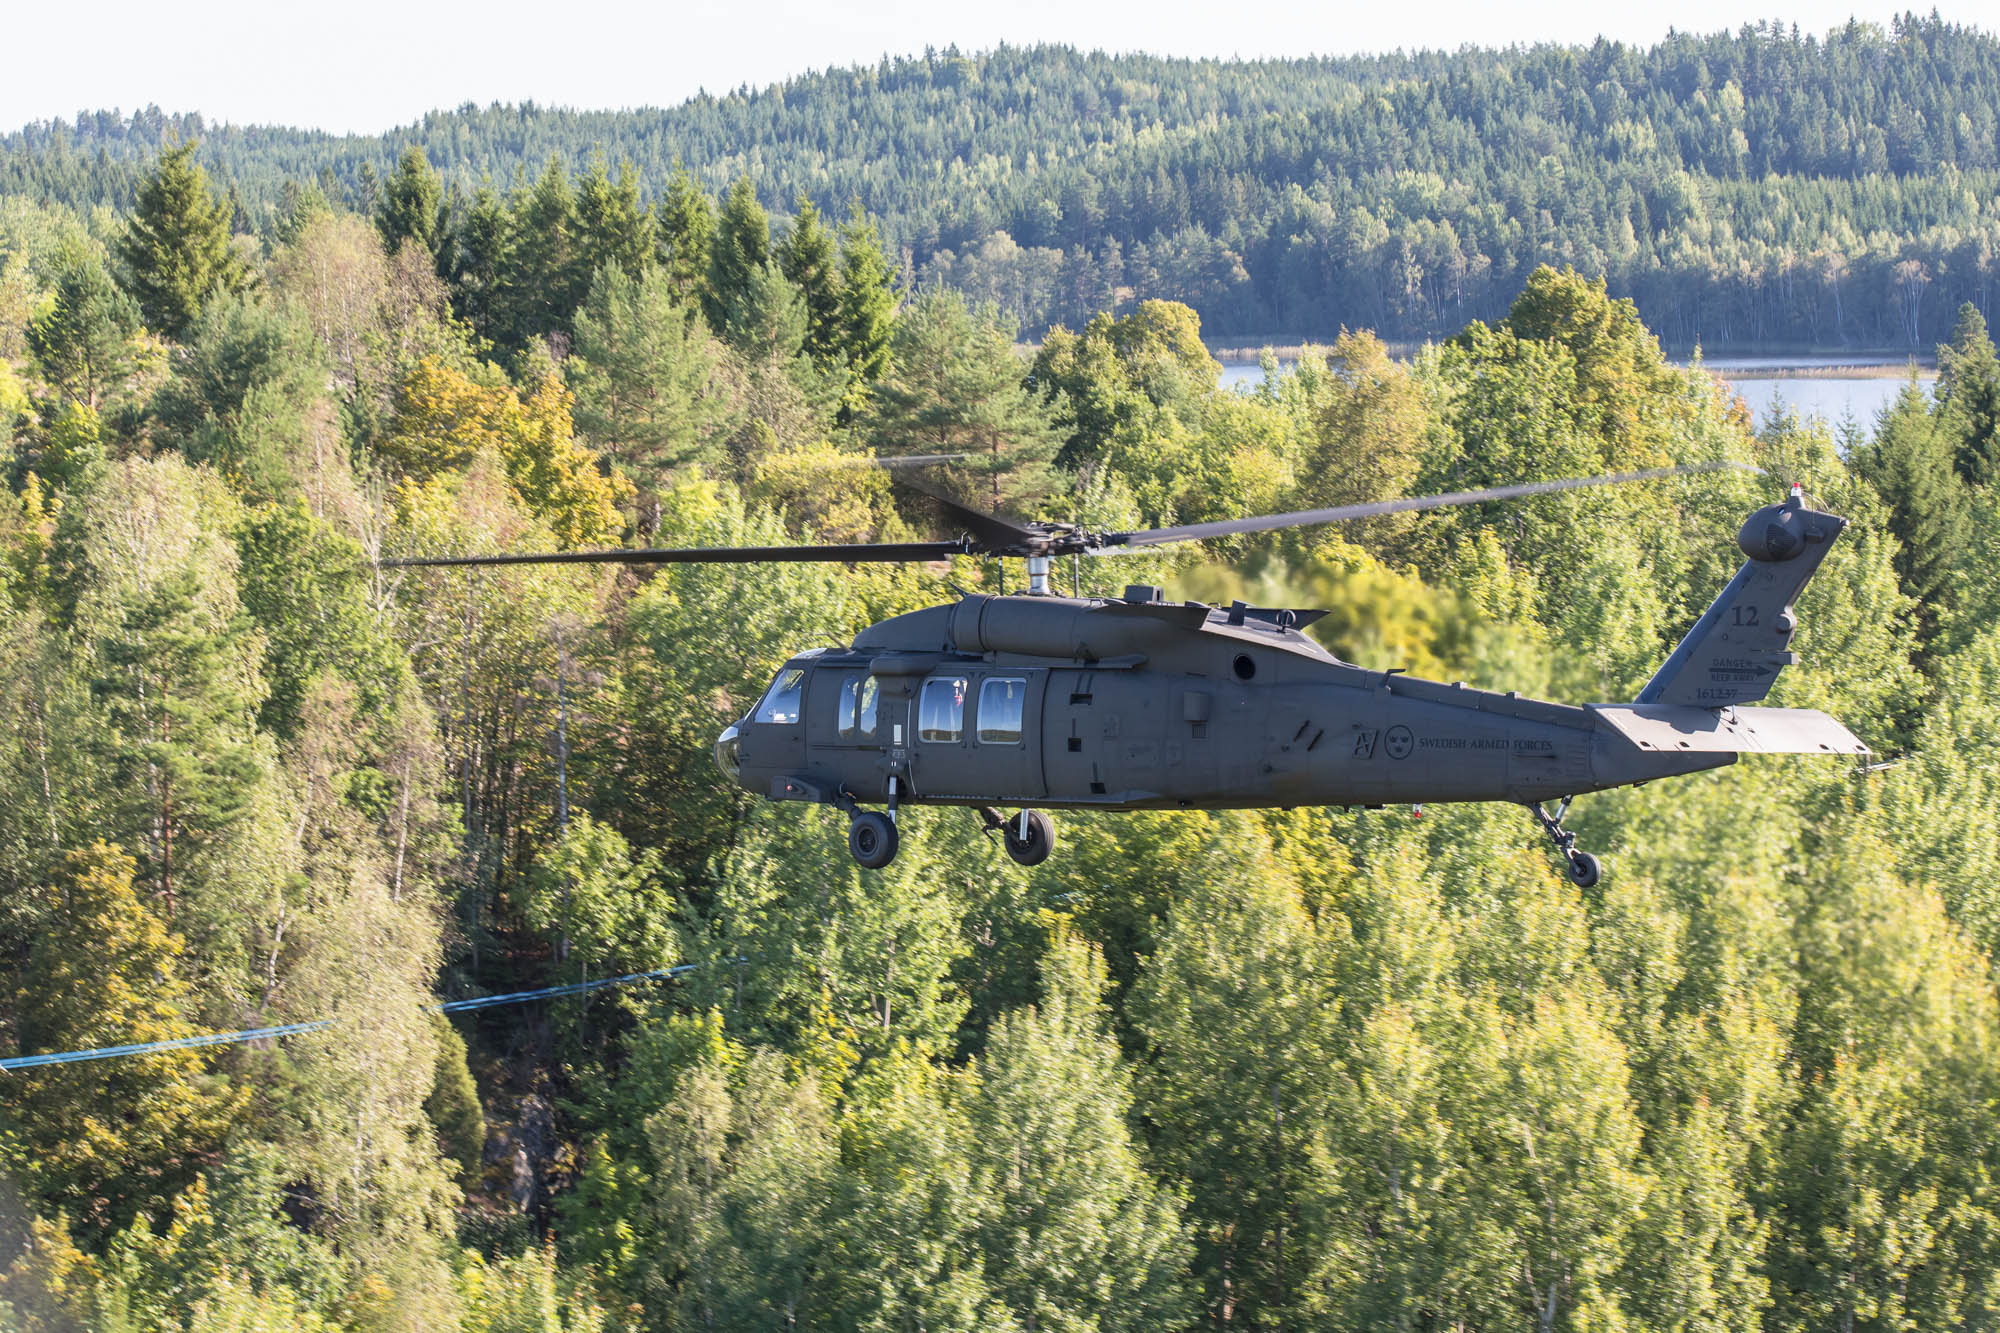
point(13, 1062)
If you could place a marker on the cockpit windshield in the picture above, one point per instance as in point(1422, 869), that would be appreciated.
point(781, 701)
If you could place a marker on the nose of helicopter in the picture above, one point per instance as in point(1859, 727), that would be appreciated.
point(727, 757)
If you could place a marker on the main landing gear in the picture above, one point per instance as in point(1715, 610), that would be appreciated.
point(1029, 836)
point(1584, 870)
point(872, 838)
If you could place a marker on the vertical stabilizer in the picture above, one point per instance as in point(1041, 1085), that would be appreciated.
point(1735, 651)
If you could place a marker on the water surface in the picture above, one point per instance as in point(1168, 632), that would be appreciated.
point(1825, 393)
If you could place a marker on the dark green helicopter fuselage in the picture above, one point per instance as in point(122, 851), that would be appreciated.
point(1143, 704)
point(1137, 703)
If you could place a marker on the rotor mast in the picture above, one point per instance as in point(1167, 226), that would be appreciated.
point(1038, 575)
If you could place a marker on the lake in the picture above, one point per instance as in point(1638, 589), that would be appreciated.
point(1766, 382)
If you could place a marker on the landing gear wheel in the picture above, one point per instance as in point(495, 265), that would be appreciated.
point(1032, 846)
point(1584, 871)
point(872, 839)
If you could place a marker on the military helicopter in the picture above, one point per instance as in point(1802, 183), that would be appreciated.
point(1037, 701)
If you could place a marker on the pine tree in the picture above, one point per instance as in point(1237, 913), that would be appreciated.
point(413, 206)
point(648, 376)
point(1968, 396)
point(613, 228)
point(180, 744)
point(741, 248)
point(176, 249)
point(83, 340)
point(809, 261)
point(957, 386)
point(1911, 463)
point(542, 281)
point(686, 225)
point(769, 323)
point(479, 263)
point(867, 302)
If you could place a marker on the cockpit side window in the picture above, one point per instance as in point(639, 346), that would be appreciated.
point(857, 707)
point(781, 701)
point(941, 712)
point(846, 707)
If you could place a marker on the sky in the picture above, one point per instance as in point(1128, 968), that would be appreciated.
point(365, 66)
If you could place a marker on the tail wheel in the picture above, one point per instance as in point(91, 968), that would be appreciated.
point(872, 840)
point(1584, 871)
point(1030, 846)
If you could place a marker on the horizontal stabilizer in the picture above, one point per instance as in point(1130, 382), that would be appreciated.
point(1674, 729)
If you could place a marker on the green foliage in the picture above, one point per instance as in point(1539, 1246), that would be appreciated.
point(1910, 463)
point(737, 254)
point(72, 447)
point(83, 341)
point(525, 1294)
point(478, 262)
point(1238, 1014)
point(955, 385)
point(1968, 396)
point(302, 584)
point(867, 304)
point(453, 1104)
point(686, 218)
point(413, 205)
point(1079, 1236)
point(108, 1141)
point(545, 272)
point(908, 1208)
point(808, 258)
point(652, 391)
point(600, 902)
point(1242, 1068)
point(613, 229)
point(176, 249)
point(1370, 425)
point(248, 382)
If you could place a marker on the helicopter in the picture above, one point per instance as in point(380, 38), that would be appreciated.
point(1035, 701)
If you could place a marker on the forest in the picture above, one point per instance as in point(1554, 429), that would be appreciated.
point(1744, 189)
point(1290, 1069)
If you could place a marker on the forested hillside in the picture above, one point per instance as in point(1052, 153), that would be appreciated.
point(1745, 189)
point(1295, 1070)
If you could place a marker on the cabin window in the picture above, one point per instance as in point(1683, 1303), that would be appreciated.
point(781, 701)
point(859, 701)
point(871, 697)
point(941, 713)
point(1000, 700)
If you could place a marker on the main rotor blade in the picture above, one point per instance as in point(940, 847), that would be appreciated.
point(910, 460)
point(848, 553)
point(1120, 543)
point(990, 530)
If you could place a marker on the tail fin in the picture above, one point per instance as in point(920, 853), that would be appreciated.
point(1735, 651)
